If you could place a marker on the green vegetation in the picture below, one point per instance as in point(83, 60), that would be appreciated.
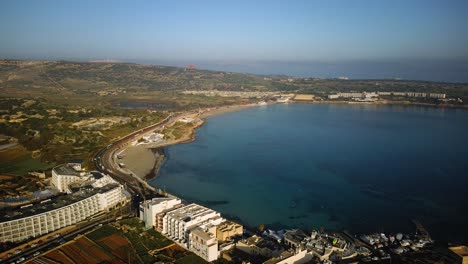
point(59, 134)
point(190, 259)
point(149, 245)
point(144, 240)
point(102, 232)
point(19, 161)
point(69, 110)
point(177, 130)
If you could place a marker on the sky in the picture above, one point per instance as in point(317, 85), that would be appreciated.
point(171, 31)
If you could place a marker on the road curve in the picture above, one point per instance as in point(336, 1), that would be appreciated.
point(104, 162)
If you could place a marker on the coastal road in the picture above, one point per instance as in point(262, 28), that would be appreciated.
point(104, 160)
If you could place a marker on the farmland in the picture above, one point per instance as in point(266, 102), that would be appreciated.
point(125, 241)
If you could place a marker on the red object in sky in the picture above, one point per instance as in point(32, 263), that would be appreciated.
point(191, 67)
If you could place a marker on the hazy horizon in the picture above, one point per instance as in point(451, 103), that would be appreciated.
point(418, 40)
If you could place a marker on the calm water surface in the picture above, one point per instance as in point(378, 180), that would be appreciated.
point(364, 168)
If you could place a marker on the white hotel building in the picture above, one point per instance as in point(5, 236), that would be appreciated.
point(65, 174)
point(194, 227)
point(70, 176)
point(177, 223)
point(47, 216)
point(150, 209)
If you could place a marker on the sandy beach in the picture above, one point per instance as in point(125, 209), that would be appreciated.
point(225, 109)
point(139, 159)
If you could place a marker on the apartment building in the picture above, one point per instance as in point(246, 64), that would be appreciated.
point(151, 210)
point(226, 230)
point(204, 244)
point(47, 216)
point(177, 223)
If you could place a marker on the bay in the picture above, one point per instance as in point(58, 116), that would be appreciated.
point(364, 168)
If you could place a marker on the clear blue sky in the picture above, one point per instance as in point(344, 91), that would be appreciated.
point(308, 30)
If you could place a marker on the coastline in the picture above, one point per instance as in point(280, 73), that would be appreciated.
point(148, 160)
point(145, 161)
point(386, 102)
point(217, 198)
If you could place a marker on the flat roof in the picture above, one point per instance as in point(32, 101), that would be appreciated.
point(228, 225)
point(460, 250)
point(295, 235)
point(97, 175)
point(284, 255)
point(190, 211)
point(52, 204)
point(158, 200)
point(66, 169)
point(202, 233)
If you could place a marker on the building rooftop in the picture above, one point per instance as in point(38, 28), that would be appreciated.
point(227, 226)
point(189, 212)
point(68, 169)
point(284, 255)
point(202, 233)
point(158, 200)
point(460, 250)
point(296, 236)
point(52, 204)
point(252, 241)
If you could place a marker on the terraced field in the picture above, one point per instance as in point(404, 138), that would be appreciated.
point(123, 242)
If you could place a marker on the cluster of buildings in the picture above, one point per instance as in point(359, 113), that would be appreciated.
point(232, 93)
point(195, 227)
point(364, 95)
point(398, 243)
point(84, 194)
point(206, 233)
point(295, 246)
point(372, 96)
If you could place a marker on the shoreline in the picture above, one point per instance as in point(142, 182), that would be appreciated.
point(189, 135)
point(138, 158)
point(158, 161)
point(386, 102)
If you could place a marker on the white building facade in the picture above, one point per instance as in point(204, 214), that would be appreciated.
point(66, 174)
point(204, 244)
point(48, 216)
point(151, 208)
point(177, 223)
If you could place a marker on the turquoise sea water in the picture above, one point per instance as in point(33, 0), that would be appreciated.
point(364, 168)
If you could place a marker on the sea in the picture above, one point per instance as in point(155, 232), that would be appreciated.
point(362, 168)
point(428, 70)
